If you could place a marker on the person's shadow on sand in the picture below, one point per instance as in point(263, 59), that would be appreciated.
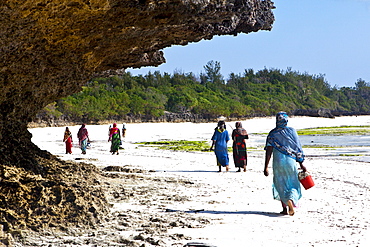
point(268, 214)
point(208, 171)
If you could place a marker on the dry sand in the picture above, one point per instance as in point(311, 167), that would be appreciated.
point(185, 200)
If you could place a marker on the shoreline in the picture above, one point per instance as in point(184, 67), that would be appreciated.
point(164, 119)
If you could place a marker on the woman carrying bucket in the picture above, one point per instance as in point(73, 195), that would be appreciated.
point(283, 143)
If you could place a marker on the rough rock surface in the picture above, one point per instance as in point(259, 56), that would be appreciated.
point(49, 49)
point(63, 194)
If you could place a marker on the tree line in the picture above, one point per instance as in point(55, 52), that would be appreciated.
point(248, 94)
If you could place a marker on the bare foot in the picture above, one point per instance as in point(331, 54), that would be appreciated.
point(291, 208)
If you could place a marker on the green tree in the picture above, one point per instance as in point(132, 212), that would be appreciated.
point(259, 93)
point(213, 72)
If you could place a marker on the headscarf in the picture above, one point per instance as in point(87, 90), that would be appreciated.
point(67, 134)
point(82, 133)
point(285, 139)
point(114, 130)
point(239, 129)
point(281, 119)
point(221, 126)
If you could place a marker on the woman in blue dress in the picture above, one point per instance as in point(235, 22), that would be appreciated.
point(284, 145)
point(219, 141)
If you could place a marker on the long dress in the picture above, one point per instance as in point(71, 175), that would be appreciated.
point(239, 148)
point(286, 185)
point(68, 141)
point(83, 136)
point(287, 151)
point(221, 138)
point(115, 138)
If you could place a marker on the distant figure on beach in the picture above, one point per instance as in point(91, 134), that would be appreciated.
point(123, 130)
point(219, 141)
point(284, 144)
point(115, 139)
point(239, 135)
point(83, 138)
point(68, 140)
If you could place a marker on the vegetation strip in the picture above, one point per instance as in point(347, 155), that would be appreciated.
point(200, 146)
point(249, 94)
point(339, 130)
point(182, 145)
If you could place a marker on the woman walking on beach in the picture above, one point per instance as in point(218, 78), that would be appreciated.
point(219, 141)
point(115, 138)
point(68, 140)
point(283, 143)
point(123, 130)
point(83, 138)
point(239, 135)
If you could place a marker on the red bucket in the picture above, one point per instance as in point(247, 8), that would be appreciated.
point(306, 180)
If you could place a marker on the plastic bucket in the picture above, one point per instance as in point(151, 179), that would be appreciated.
point(307, 182)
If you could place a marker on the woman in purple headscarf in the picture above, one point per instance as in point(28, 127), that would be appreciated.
point(239, 135)
point(83, 138)
point(283, 143)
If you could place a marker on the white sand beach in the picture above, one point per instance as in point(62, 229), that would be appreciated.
point(228, 208)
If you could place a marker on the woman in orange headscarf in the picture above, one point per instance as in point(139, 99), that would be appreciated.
point(115, 138)
point(68, 140)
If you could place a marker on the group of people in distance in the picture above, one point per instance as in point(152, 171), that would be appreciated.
point(83, 138)
point(220, 139)
point(282, 143)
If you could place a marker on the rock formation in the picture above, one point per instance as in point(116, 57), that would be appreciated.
point(50, 49)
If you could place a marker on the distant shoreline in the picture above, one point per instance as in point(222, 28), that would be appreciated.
point(170, 117)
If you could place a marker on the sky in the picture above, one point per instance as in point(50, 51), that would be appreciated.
point(318, 37)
